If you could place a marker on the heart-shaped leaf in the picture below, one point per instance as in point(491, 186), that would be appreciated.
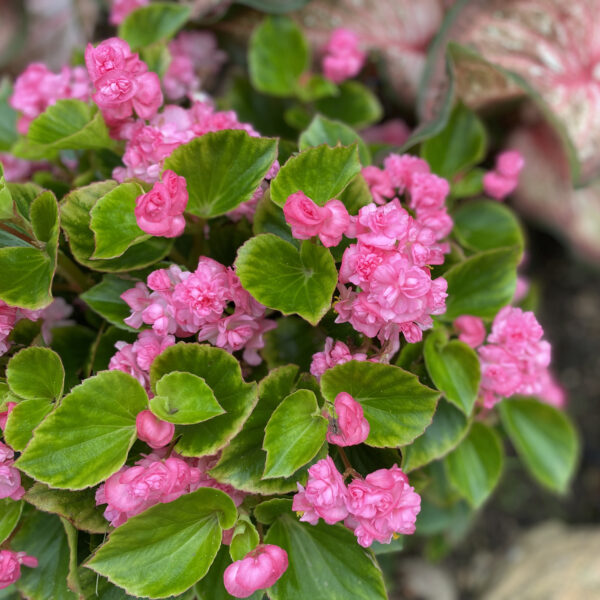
point(36, 373)
point(22, 420)
point(354, 104)
point(105, 299)
point(397, 407)
point(185, 399)
point(285, 279)
point(86, 439)
point(183, 537)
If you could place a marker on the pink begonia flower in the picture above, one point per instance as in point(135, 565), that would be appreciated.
point(379, 184)
point(522, 289)
point(510, 163)
point(343, 58)
point(152, 430)
point(503, 181)
point(381, 505)
point(148, 346)
point(258, 570)
point(6, 453)
point(10, 566)
point(160, 211)
point(8, 318)
point(138, 299)
point(125, 360)
point(393, 132)
point(551, 391)
point(4, 414)
point(10, 482)
point(333, 354)
point(349, 426)
point(383, 226)
point(471, 330)
point(324, 495)
point(402, 168)
point(119, 9)
point(55, 315)
point(428, 192)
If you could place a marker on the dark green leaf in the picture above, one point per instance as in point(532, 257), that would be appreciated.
point(8, 117)
point(36, 373)
point(182, 537)
point(544, 438)
point(355, 104)
point(149, 24)
point(285, 279)
point(73, 344)
point(105, 299)
point(222, 169)
point(10, 513)
point(269, 218)
point(397, 407)
point(269, 511)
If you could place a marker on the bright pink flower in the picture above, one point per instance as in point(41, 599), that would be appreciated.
point(119, 9)
point(125, 360)
point(4, 414)
point(110, 55)
point(335, 224)
point(148, 346)
point(6, 453)
point(379, 183)
point(504, 179)
point(148, 98)
point(510, 163)
point(471, 330)
point(382, 505)
point(343, 58)
point(349, 426)
point(359, 263)
point(116, 88)
point(333, 354)
point(552, 392)
point(402, 167)
point(138, 299)
point(304, 216)
point(160, 211)
point(153, 431)
point(383, 226)
point(258, 570)
point(10, 566)
point(515, 329)
point(427, 191)
point(10, 482)
point(8, 318)
point(324, 495)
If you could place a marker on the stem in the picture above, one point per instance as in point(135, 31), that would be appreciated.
point(78, 280)
point(345, 460)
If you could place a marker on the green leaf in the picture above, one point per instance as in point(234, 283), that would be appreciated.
point(184, 399)
point(454, 369)
point(461, 144)
point(75, 218)
point(471, 184)
point(152, 23)
point(285, 279)
point(323, 557)
point(6, 201)
point(8, 117)
point(314, 87)
point(73, 344)
point(222, 373)
point(10, 513)
point(23, 195)
point(321, 173)
point(243, 461)
point(86, 439)
point(333, 133)
point(23, 419)
point(222, 169)
point(486, 225)
point(44, 537)
point(269, 511)
point(544, 438)
point(294, 434)
point(277, 56)
point(36, 373)
point(105, 299)
point(79, 508)
point(447, 429)
point(397, 407)
point(355, 105)
point(70, 125)
point(269, 218)
point(113, 221)
point(474, 467)
point(182, 537)
point(482, 284)
point(245, 538)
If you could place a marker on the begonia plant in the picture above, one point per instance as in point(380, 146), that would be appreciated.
point(248, 345)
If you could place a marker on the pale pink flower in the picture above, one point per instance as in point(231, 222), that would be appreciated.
point(335, 224)
point(402, 167)
point(153, 431)
point(427, 191)
point(504, 179)
point(138, 299)
point(333, 354)
point(379, 184)
point(258, 570)
point(10, 566)
point(349, 426)
point(55, 315)
point(551, 391)
point(383, 226)
point(343, 58)
point(381, 505)
point(148, 346)
point(394, 132)
point(471, 330)
point(324, 495)
point(510, 163)
point(119, 9)
point(10, 482)
point(125, 360)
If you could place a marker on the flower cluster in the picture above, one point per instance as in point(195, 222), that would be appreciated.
point(37, 88)
point(185, 304)
point(119, 9)
point(349, 426)
point(10, 566)
point(334, 353)
point(514, 359)
point(258, 570)
point(343, 58)
point(308, 220)
point(389, 264)
point(54, 315)
point(503, 180)
point(10, 477)
point(122, 81)
point(194, 58)
point(375, 508)
point(153, 479)
point(160, 211)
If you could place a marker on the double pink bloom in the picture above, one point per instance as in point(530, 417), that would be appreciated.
point(307, 220)
point(349, 426)
point(333, 354)
point(10, 566)
point(160, 211)
point(10, 477)
point(258, 570)
point(343, 57)
point(153, 431)
point(503, 180)
point(122, 81)
point(375, 508)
